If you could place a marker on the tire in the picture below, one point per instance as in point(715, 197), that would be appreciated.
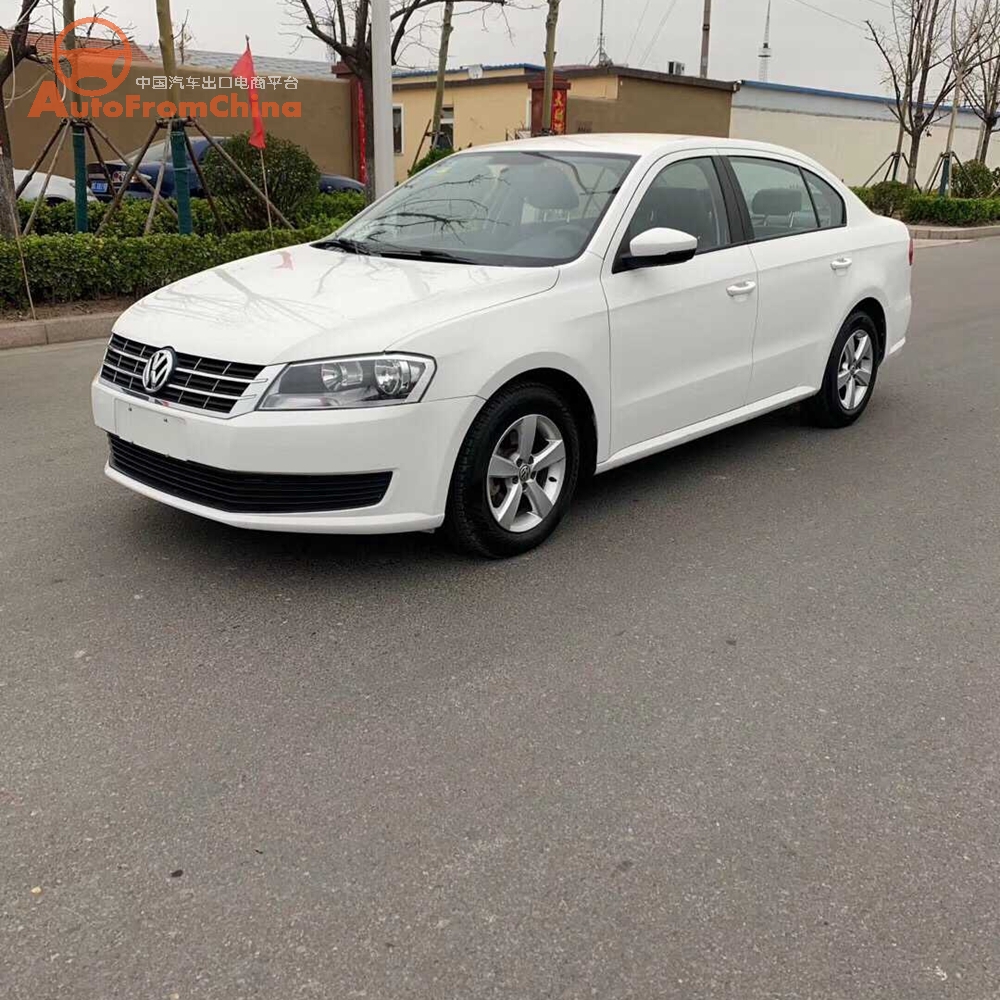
point(500, 504)
point(844, 395)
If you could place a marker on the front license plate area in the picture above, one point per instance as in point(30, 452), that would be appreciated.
point(152, 428)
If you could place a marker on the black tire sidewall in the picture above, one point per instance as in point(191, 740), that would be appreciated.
point(469, 517)
point(832, 406)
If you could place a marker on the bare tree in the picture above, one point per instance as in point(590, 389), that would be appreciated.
point(922, 58)
point(551, 21)
point(344, 26)
point(19, 48)
point(982, 86)
point(449, 9)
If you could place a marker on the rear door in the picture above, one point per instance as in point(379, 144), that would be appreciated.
point(802, 250)
point(681, 334)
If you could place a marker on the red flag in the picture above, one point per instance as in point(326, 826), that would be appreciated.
point(244, 68)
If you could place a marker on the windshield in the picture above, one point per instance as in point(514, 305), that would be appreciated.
point(505, 207)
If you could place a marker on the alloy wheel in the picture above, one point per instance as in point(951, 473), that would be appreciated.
point(854, 373)
point(526, 473)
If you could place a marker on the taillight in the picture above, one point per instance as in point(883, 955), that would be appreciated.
point(911, 251)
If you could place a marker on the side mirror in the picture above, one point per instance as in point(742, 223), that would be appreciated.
point(657, 247)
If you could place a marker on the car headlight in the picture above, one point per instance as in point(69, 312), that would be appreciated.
point(341, 383)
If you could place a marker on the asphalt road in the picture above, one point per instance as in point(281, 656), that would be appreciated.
point(734, 733)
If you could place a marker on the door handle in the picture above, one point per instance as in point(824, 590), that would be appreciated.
point(745, 288)
point(841, 263)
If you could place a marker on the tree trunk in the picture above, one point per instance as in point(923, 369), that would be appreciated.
point(9, 221)
point(911, 170)
point(364, 74)
point(69, 16)
point(991, 124)
point(166, 26)
point(550, 65)
point(899, 153)
point(442, 69)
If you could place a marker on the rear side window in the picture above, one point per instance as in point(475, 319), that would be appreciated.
point(776, 194)
point(685, 196)
point(829, 204)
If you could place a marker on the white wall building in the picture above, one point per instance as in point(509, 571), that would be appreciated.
point(850, 134)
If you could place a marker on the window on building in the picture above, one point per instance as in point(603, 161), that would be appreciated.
point(446, 137)
point(776, 196)
point(397, 129)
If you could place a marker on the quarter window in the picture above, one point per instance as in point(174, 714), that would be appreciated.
point(685, 196)
point(777, 197)
point(829, 204)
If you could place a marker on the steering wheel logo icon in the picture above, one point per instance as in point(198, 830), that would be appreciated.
point(87, 63)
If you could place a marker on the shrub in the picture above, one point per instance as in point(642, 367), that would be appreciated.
point(64, 268)
point(865, 194)
point(890, 197)
point(130, 219)
point(335, 205)
point(952, 211)
point(292, 179)
point(973, 180)
point(431, 157)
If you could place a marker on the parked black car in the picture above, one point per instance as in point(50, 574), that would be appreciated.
point(150, 168)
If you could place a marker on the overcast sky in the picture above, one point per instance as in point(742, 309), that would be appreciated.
point(811, 48)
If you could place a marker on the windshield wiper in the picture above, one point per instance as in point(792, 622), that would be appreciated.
point(345, 244)
point(423, 253)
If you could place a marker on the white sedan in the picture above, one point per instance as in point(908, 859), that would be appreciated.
point(58, 190)
point(512, 319)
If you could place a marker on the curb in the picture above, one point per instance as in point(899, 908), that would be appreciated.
point(59, 330)
point(953, 232)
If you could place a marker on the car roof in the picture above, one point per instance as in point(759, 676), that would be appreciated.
point(634, 143)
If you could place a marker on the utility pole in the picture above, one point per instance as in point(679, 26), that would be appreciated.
point(550, 64)
point(381, 29)
point(706, 32)
point(442, 69)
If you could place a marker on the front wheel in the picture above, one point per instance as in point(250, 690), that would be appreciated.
point(515, 474)
point(851, 372)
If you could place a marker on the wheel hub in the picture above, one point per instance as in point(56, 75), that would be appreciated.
point(526, 473)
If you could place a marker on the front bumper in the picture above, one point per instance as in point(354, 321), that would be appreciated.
point(417, 443)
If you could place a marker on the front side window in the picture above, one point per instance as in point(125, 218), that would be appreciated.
point(685, 196)
point(776, 195)
point(506, 207)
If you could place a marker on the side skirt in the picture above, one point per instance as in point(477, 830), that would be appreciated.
point(704, 427)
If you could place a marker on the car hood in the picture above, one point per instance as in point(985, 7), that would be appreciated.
point(302, 303)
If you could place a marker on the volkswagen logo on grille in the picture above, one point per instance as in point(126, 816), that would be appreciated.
point(158, 370)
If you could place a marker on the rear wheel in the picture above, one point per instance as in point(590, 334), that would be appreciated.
point(851, 372)
point(516, 473)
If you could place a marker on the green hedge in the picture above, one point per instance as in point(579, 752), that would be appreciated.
point(66, 268)
point(887, 197)
point(130, 219)
point(937, 211)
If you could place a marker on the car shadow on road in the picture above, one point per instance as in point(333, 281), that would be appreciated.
point(605, 505)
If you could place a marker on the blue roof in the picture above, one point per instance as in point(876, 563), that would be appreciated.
point(527, 67)
point(816, 92)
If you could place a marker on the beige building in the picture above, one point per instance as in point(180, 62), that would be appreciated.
point(484, 104)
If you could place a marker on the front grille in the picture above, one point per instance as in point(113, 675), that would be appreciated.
point(246, 492)
point(202, 383)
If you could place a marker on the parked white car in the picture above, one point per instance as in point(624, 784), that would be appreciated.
point(59, 189)
point(511, 319)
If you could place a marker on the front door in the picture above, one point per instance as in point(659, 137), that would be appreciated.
point(681, 334)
